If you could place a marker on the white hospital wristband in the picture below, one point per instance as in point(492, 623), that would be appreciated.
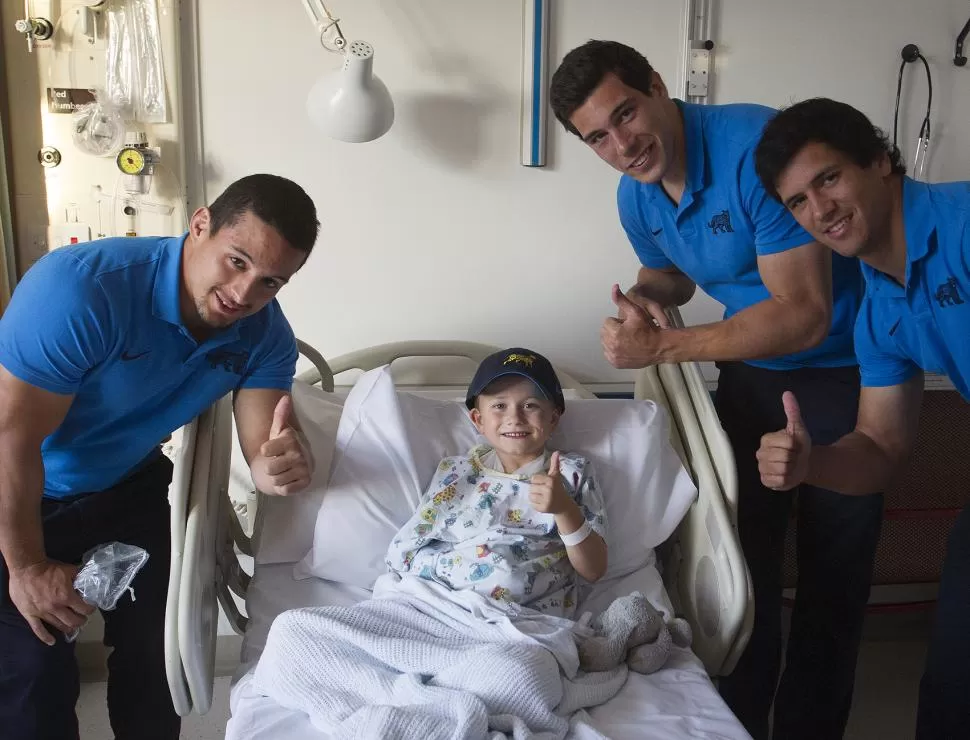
point(574, 538)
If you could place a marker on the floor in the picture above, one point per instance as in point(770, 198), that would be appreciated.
point(93, 715)
point(884, 708)
point(887, 677)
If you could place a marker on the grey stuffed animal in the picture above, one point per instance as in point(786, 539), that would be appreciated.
point(632, 629)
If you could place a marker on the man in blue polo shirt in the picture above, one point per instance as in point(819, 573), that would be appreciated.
point(844, 182)
point(105, 349)
point(696, 214)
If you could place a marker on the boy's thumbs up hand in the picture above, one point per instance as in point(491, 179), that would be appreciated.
point(554, 464)
point(547, 492)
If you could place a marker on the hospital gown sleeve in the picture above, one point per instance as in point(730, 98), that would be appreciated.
point(274, 361)
point(588, 496)
point(58, 326)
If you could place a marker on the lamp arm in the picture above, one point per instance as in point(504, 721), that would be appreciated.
point(331, 37)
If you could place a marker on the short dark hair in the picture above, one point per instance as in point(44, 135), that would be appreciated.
point(278, 202)
point(821, 121)
point(583, 69)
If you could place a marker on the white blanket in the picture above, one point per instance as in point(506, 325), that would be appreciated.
point(420, 661)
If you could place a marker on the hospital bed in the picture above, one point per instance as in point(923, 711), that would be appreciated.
point(703, 571)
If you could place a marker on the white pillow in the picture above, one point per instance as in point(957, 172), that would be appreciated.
point(645, 487)
point(283, 530)
point(389, 444)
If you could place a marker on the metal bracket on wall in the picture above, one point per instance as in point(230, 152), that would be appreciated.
point(699, 68)
point(698, 60)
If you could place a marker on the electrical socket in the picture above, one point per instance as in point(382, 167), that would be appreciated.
point(72, 232)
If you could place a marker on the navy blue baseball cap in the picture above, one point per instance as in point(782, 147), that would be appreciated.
point(517, 361)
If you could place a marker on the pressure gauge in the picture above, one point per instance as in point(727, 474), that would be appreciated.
point(136, 160)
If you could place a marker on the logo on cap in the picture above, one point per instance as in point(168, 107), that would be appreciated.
point(526, 360)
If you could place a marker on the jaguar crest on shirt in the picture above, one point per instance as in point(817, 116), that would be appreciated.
point(231, 362)
point(720, 223)
point(948, 294)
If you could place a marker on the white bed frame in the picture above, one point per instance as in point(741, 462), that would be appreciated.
point(703, 569)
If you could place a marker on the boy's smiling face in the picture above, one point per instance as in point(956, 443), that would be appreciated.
point(516, 419)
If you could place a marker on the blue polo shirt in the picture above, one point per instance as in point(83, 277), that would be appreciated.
point(926, 324)
point(725, 221)
point(101, 320)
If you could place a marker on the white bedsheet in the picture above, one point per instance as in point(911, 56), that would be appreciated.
point(677, 703)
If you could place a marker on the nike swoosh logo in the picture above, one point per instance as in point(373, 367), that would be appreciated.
point(657, 231)
point(128, 357)
point(895, 327)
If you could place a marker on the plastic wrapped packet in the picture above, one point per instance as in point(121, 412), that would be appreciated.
point(135, 80)
point(106, 573)
point(98, 128)
point(121, 61)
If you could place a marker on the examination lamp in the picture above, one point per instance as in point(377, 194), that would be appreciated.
point(351, 104)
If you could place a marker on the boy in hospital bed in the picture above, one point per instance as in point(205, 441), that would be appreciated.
point(483, 641)
point(510, 520)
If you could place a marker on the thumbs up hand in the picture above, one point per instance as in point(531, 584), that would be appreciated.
point(547, 493)
point(281, 417)
point(284, 464)
point(784, 455)
point(631, 339)
point(654, 309)
point(627, 310)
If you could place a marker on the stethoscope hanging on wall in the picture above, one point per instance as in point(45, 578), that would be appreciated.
point(911, 53)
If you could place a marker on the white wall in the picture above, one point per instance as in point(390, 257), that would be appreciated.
point(436, 231)
point(780, 51)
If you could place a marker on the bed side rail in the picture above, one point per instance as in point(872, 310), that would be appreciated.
point(722, 454)
point(207, 540)
point(320, 372)
point(704, 569)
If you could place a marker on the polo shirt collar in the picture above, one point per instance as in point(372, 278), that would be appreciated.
point(919, 220)
point(168, 281)
point(694, 146)
point(919, 226)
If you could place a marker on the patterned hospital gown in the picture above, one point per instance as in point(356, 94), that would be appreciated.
point(475, 528)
